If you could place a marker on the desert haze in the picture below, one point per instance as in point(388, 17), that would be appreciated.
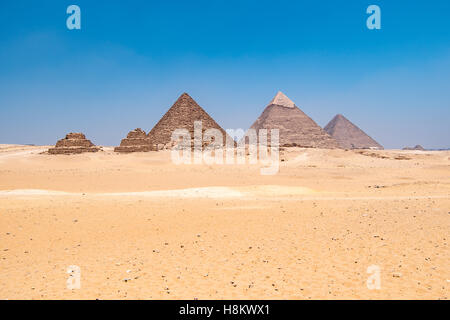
point(141, 227)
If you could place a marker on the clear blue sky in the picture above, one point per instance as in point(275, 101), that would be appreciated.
point(132, 59)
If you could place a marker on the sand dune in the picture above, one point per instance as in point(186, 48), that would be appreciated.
point(270, 193)
point(206, 192)
point(140, 227)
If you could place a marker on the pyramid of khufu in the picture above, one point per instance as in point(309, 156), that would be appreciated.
point(348, 135)
point(73, 143)
point(136, 141)
point(182, 115)
point(296, 129)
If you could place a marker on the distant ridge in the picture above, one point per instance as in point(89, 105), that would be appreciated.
point(296, 128)
point(348, 135)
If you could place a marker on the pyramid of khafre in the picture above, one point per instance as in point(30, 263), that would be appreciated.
point(182, 115)
point(136, 141)
point(73, 143)
point(349, 135)
point(295, 127)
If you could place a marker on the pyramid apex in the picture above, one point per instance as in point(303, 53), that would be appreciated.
point(185, 97)
point(338, 117)
point(281, 99)
point(185, 94)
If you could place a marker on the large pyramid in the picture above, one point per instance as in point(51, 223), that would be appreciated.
point(73, 143)
point(296, 128)
point(182, 115)
point(349, 135)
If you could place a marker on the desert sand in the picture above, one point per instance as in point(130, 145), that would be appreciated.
point(141, 227)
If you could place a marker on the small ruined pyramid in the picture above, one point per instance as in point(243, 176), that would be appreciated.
point(136, 141)
point(72, 144)
point(296, 128)
point(348, 135)
point(182, 115)
point(417, 147)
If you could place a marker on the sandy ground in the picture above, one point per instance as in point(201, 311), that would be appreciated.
point(141, 227)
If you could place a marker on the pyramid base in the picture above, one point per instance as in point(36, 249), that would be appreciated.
point(131, 149)
point(73, 150)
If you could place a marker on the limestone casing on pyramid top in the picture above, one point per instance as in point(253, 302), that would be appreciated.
point(281, 99)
